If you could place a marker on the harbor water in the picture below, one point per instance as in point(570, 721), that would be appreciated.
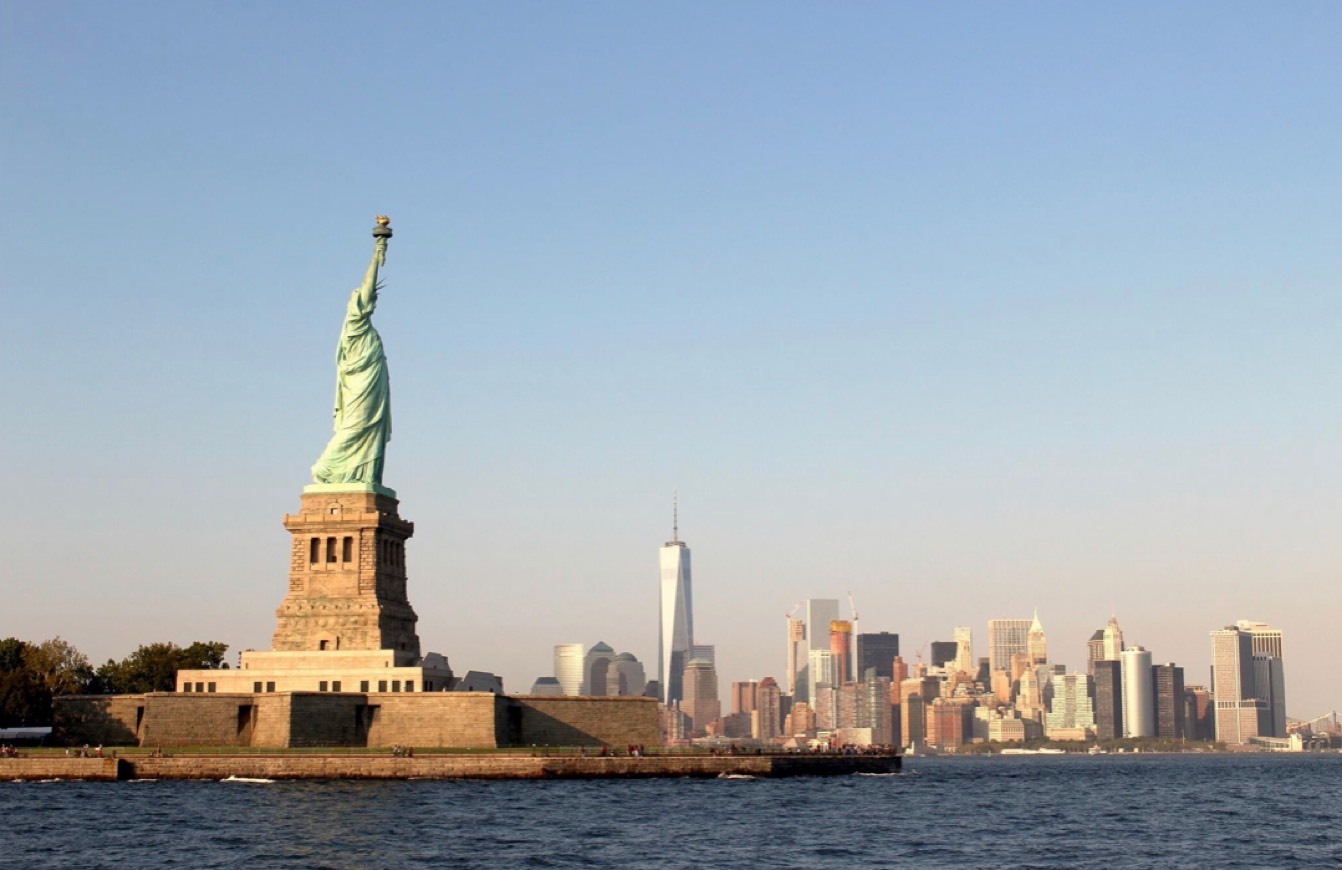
point(1025, 811)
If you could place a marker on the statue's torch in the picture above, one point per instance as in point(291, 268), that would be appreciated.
point(382, 232)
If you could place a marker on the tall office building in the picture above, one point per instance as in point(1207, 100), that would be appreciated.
point(704, 651)
point(701, 702)
point(594, 667)
point(1168, 685)
point(1094, 649)
point(1266, 640)
point(1113, 640)
point(1108, 687)
point(841, 648)
point(879, 651)
point(819, 672)
point(1030, 696)
point(875, 710)
point(848, 700)
point(964, 650)
point(745, 696)
point(675, 635)
point(568, 667)
point(826, 706)
point(766, 720)
point(1139, 714)
point(1198, 713)
point(914, 696)
point(625, 677)
point(1020, 663)
point(949, 723)
point(820, 612)
point(800, 720)
point(1270, 683)
point(1269, 674)
point(1240, 711)
point(1070, 706)
point(1006, 637)
point(1036, 642)
point(944, 653)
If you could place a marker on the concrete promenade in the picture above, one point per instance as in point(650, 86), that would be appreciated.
point(434, 766)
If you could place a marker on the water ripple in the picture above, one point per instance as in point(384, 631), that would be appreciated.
point(1054, 812)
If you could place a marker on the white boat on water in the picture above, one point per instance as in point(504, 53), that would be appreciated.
point(1034, 752)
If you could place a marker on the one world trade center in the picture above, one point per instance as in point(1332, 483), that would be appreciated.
point(675, 634)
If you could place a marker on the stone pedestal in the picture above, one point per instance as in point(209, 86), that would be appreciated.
point(347, 578)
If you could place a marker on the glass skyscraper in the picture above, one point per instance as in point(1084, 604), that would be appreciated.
point(1006, 637)
point(675, 635)
point(820, 612)
point(568, 667)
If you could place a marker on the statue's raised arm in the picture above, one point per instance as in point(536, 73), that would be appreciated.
point(354, 455)
point(369, 288)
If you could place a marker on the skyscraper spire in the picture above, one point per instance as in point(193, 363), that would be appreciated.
point(1037, 643)
point(675, 515)
point(1113, 640)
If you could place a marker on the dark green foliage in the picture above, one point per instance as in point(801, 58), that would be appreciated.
point(154, 667)
point(11, 654)
point(31, 674)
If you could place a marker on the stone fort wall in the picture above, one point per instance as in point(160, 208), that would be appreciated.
point(459, 720)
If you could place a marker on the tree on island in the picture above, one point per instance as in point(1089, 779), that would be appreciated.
point(62, 668)
point(30, 674)
point(153, 667)
point(23, 700)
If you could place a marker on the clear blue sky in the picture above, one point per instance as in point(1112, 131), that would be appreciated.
point(965, 308)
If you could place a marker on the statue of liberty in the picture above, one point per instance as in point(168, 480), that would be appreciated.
point(363, 390)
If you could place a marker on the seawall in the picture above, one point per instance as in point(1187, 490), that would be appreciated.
point(59, 767)
point(429, 766)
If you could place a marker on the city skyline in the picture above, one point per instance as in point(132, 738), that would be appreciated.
point(1143, 713)
point(963, 310)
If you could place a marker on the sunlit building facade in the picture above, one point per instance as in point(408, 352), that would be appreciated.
point(568, 667)
point(1006, 637)
point(1139, 715)
point(676, 623)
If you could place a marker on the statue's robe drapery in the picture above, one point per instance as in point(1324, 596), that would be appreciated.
point(362, 401)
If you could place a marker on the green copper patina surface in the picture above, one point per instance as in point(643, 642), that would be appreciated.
point(355, 452)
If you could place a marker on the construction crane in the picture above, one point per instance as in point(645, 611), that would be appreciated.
point(853, 608)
